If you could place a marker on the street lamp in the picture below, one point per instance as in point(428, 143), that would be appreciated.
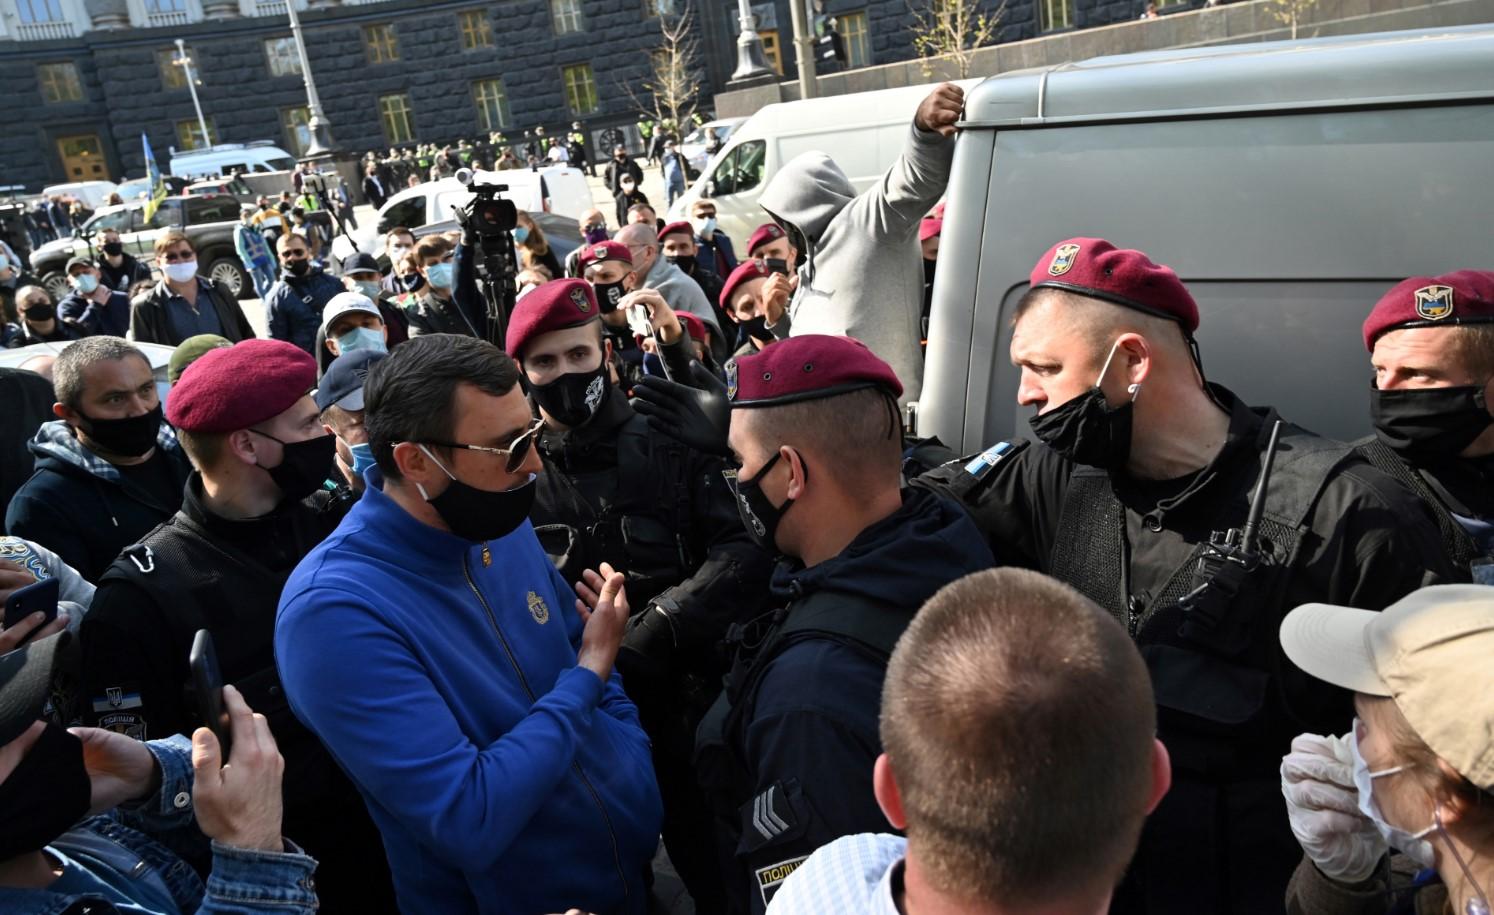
point(322, 145)
point(184, 60)
point(751, 64)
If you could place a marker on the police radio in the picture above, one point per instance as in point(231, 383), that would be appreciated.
point(1223, 568)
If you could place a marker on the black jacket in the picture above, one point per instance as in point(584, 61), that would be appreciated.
point(21, 334)
point(151, 323)
point(430, 315)
point(1219, 841)
point(129, 272)
point(376, 191)
point(28, 400)
point(798, 720)
point(613, 174)
point(80, 507)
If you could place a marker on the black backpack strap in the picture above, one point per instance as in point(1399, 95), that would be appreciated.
point(1459, 546)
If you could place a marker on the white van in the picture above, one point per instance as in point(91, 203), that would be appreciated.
point(223, 159)
point(556, 189)
point(864, 133)
point(93, 194)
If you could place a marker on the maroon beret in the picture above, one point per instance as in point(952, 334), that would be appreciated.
point(673, 227)
point(605, 251)
point(1464, 297)
point(764, 234)
point(806, 367)
point(1098, 269)
point(555, 305)
point(746, 270)
point(236, 387)
point(694, 325)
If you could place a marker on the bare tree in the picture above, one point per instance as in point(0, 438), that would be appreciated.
point(1290, 12)
point(952, 30)
point(671, 93)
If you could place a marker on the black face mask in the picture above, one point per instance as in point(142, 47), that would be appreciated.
point(45, 795)
point(36, 314)
point(1086, 430)
point(1430, 422)
point(114, 249)
point(297, 268)
point(608, 295)
point(757, 328)
point(304, 466)
point(759, 516)
point(130, 437)
point(480, 515)
point(685, 262)
point(573, 398)
point(412, 283)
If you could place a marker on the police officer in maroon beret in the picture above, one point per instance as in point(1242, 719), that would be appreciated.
point(1431, 343)
point(613, 492)
point(787, 751)
point(1137, 492)
point(245, 417)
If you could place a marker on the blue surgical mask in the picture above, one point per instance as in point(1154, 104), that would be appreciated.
point(369, 288)
point(363, 457)
point(521, 234)
point(85, 283)
point(440, 275)
point(4, 262)
point(362, 338)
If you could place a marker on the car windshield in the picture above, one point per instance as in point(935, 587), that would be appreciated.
point(282, 163)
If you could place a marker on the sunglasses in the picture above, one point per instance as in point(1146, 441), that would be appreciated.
point(172, 257)
point(517, 451)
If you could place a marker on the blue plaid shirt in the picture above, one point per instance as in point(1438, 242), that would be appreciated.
point(853, 875)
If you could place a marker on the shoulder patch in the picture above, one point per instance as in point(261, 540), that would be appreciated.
point(983, 462)
point(770, 878)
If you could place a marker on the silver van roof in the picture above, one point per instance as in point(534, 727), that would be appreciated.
point(1375, 70)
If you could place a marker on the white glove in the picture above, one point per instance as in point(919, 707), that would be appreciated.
point(1317, 779)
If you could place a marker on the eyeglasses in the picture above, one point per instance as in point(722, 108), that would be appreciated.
point(172, 257)
point(517, 451)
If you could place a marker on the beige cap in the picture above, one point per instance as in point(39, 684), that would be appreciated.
point(1432, 651)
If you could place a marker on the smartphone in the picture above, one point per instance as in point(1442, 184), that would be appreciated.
point(638, 321)
point(207, 679)
point(776, 265)
point(39, 595)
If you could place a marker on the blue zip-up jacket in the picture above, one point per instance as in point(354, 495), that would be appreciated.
point(504, 778)
point(293, 306)
point(126, 861)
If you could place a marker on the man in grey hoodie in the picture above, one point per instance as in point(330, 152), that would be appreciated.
point(861, 271)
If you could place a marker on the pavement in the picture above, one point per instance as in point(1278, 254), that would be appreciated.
point(653, 189)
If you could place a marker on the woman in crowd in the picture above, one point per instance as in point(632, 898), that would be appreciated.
point(534, 250)
point(1415, 774)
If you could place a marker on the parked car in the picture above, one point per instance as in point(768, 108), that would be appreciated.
point(208, 221)
point(707, 139)
point(158, 354)
point(1290, 184)
point(139, 188)
point(230, 187)
point(559, 190)
point(224, 158)
point(92, 194)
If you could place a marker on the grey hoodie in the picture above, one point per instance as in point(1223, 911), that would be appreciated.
point(863, 273)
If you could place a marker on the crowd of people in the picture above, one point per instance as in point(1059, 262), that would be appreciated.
point(509, 600)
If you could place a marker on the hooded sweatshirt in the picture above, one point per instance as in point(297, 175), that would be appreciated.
point(863, 270)
point(505, 778)
point(81, 507)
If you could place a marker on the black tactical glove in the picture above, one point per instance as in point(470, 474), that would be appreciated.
point(697, 415)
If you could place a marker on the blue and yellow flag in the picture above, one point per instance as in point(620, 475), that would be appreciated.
point(157, 183)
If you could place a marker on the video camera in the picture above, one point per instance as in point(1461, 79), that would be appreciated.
point(314, 183)
point(489, 221)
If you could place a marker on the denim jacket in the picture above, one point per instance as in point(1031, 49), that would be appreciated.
point(140, 850)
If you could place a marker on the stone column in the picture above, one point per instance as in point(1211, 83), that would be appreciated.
point(214, 10)
point(108, 14)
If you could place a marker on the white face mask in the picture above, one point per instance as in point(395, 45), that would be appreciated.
point(705, 226)
point(1413, 844)
point(181, 271)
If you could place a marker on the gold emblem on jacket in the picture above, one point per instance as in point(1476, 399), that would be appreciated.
point(537, 609)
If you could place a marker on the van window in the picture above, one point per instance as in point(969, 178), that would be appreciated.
point(741, 169)
point(282, 164)
point(409, 212)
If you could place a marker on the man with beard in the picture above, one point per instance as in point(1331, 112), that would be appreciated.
point(294, 306)
point(613, 492)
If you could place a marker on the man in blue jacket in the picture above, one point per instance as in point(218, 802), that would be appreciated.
point(431, 646)
point(294, 305)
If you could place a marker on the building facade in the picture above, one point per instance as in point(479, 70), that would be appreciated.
point(89, 77)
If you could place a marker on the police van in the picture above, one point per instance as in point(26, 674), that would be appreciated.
point(1290, 184)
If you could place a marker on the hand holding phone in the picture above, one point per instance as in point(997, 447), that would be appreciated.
point(37, 597)
point(207, 679)
point(776, 265)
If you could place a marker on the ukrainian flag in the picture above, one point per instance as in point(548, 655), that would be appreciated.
point(157, 183)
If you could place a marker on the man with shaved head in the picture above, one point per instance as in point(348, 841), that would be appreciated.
point(681, 292)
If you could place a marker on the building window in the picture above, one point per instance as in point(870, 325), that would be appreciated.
point(379, 44)
point(282, 57)
point(580, 88)
point(858, 44)
point(295, 123)
point(770, 49)
point(38, 11)
point(477, 30)
point(59, 83)
point(491, 103)
point(189, 135)
point(398, 121)
point(1055, 14)
point(165, 12)
point(567, 14)
point(173, 75)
